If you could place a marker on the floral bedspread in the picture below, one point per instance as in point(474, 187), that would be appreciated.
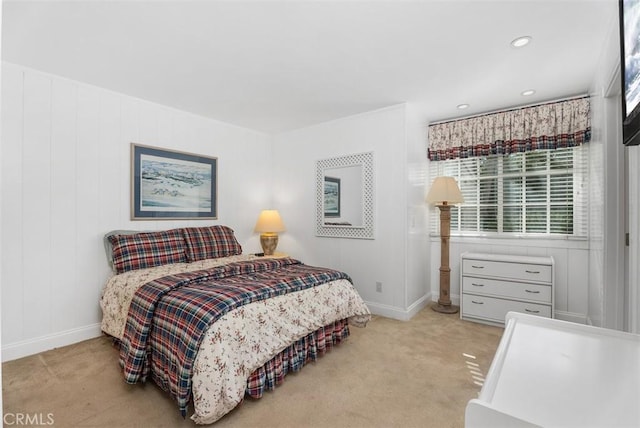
point(223, 362)
point(119, 289)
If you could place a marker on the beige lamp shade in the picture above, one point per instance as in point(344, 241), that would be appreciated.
point(269, 221)
point(445, 191)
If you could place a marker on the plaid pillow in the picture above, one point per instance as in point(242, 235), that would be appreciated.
point(147, 249)
point(210, 242)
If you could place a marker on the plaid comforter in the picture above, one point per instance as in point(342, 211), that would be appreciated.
point(169, 316)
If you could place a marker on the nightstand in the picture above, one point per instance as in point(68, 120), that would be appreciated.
point(278, 255)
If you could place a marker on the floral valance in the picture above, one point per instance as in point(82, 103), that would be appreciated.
point(546, 126)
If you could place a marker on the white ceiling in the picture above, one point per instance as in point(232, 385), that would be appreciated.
point(276, 66)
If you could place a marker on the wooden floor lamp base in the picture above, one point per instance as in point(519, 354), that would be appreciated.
point(444, 305)
point(445, 309)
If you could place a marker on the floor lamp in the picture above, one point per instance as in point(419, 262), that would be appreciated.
point(444, 193)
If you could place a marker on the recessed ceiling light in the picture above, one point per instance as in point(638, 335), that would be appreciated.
point(521, 41)
point(463, 106)
point(527, 92)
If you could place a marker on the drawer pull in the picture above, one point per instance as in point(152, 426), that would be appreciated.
point(532, 291)
point(477, 285)
point(477, 303)
point(477, 267)
point(532, 311)
point(532, 271)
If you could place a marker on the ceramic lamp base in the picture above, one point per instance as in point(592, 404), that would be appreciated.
point(269, 242)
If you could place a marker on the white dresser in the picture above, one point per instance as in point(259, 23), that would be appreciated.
point(552, 373)
point(494, 284)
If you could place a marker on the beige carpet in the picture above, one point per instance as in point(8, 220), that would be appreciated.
point(390, 374)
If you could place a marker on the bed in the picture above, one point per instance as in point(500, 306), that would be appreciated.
point(211, 325)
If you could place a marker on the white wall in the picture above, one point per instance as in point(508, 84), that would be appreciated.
point(1, 156)
point(614, 281)
point(633, 295)
point(606, 288)
point(596, 214)
point(391, 258)
point(417, 217)
point(65, 182)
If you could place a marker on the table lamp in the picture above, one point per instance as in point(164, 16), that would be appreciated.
point(269, 224)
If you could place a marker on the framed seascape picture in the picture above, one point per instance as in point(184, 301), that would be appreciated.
point(167, 184)
point(331, 197)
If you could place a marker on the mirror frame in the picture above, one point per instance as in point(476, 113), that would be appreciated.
point(364, 231)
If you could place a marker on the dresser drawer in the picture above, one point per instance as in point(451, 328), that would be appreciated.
point(521, 271)
point(507, 289)
point(494, 309)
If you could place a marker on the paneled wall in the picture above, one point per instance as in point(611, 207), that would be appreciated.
point(66, 181)
point(607, 286)
point(632, 298)
point(396, 257)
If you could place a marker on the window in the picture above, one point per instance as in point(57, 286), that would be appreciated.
point(541, 192)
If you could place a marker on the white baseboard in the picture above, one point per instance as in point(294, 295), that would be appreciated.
point(418, 305)
point(572, 317)
point(399, 313)
point(24, 348)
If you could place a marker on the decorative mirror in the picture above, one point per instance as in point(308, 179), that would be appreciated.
point(344, 196)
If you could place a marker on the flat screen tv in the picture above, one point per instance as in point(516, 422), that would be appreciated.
point(630, 69)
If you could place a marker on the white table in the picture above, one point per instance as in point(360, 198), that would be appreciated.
point(553, 373)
